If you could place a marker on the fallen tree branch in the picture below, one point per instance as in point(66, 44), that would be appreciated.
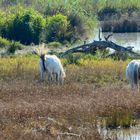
point(106, 38)
point(101, 45)
point(92, 47)
point(69, 134)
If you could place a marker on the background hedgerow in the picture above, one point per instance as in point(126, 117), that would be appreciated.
point(26, 21)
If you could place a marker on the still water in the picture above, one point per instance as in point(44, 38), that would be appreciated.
point(132, 133)
point(124, 39)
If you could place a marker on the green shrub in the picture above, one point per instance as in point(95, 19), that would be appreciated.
point(4, 42)
point(122, 119)
point(54, 44)
point(56, 28)
point(25, 26)
point(74, 58)
point(121, 56)
point(107, 11)
point(14, 46)
point(125, 26)
point(77, 27)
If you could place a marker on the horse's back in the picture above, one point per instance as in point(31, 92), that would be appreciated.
point(53, 63)
point(132, 71)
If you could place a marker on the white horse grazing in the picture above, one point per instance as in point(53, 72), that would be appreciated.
point(133, 73)
point(52, 65)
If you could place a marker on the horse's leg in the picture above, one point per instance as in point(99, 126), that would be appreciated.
point(42, 75)
point(57, 78)
point(138, 85)
point(49, 77)
point(132, 84)
point(61, 80)
point(42, 72)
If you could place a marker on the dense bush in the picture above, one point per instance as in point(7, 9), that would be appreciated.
point(120, 26)
point(54, 44)
point(107, 12)
point(10, 46)
point(25, 26)
point(77, 26)
point(125, 26)
point(56, 28)
point(78, 19)
point(4, 42)
point(13, 46)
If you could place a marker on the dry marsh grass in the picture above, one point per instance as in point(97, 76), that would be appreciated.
point(93, 90)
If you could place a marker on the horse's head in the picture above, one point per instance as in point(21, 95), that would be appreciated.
point(41, 51)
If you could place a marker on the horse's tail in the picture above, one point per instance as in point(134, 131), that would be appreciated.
point(63, 74)
point(136, 74)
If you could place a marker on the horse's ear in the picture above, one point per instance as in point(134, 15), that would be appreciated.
point(34, 52)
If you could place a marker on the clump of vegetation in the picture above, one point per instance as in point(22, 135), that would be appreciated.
point(13, 46)
point(9, 46)
point(125, 26)
point(121, 56)
point(54, 44)
point(114, 16)
point(4, 42)
point(120, 119)
point(25, 26)
point(79, 58)
point(107, 12)
point(56, 28)
point(121, 25)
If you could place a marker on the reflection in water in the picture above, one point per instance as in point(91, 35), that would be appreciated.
point(124, 39)
point(132, 133)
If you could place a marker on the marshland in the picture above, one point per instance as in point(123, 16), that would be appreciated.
point(96, 101)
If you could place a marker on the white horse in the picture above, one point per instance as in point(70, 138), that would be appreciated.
point(133, 73)
point(52, 65)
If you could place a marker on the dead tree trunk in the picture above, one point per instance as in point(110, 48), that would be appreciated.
point(101, 45)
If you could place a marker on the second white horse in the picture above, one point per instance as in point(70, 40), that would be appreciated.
point(133, 73)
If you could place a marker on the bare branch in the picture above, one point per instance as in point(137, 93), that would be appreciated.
point(69, 134)
point(100, 35)
point(106, 38)
point(92, 47)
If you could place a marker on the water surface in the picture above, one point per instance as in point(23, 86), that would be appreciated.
point(132, 133)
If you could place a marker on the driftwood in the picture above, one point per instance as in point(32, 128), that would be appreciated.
point(69, 134)
point(92, 47)
point(102, 45)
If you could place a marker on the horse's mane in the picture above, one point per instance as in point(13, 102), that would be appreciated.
point(41, 50)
